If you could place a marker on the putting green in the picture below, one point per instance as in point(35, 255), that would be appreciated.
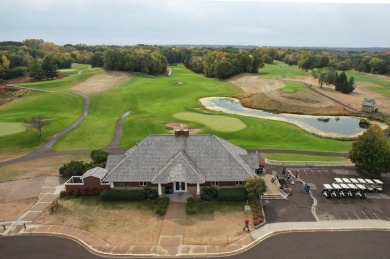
point(215, 122)
point(9, 128)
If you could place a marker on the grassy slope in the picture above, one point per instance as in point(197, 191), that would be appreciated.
point(381, 84)
point(61, 108)
point(279, 69)
point(66, 83)
point(293, 87)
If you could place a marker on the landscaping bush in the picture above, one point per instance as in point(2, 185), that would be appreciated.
point(192, 206)
point(209, 193)
point(232, 194)
point(122, 195)
point(150, 194)
point(162, 206)
point(73, 168)
point(99, 156)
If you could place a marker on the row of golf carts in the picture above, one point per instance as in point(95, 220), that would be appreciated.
point(351, 187)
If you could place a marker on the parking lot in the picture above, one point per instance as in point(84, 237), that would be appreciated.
point(374, 206)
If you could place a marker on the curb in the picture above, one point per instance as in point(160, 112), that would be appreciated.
point(202, 255)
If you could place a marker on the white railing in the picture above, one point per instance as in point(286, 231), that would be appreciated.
point(308, 163)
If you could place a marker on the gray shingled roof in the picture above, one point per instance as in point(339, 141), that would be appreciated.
point(205, 156)
point(97, 172)
point(179, 169)
point(113, 160)
point(368, 102)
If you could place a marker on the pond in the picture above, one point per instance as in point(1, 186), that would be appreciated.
point(339, 127)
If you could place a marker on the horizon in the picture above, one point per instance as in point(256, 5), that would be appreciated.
point(310, 24)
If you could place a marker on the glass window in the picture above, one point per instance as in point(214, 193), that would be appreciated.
point(143, 184)
point(214, 183)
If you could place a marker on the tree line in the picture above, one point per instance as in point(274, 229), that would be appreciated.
point(41, 59)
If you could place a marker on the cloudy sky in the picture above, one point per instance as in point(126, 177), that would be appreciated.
point(360, 23)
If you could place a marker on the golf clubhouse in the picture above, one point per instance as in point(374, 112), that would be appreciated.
point(173, 163)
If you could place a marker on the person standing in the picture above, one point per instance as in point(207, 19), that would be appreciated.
point(246, 225)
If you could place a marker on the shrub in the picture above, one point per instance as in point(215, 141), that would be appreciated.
point(150, 194)
point(192, 206)
point(162, 206)
point(232, 194)
point(99, 156)
point(73, 168)
point(209, 193)
point(122, 195)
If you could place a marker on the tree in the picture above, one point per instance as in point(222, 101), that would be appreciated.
point(99, 156)
point(371, 152)
point(326, 75)
point(36, 122)
point(4, 66)
point(255, 187)
point(73, 168)
point(36, 71)
point(49, 67)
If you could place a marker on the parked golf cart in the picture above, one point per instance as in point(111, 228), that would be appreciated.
point(355, 190)
point(327, 190)
point(378, 186)
point(339, 190)
point(369, 185)
point(362, 190)
point(347, 190)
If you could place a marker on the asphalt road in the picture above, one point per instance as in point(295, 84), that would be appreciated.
point(344, 244)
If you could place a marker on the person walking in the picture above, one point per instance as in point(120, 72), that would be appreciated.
point(246, 225)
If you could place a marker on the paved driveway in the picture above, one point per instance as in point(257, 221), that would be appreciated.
point(21, 189)
point(374, 206)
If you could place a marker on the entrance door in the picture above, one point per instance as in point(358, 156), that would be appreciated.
point(180, 187)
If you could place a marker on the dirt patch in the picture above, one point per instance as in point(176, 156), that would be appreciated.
point(38, 167)
point(102, 82)
point(354, 99)
point(177, 125)
point(119, 223)
point(265, 94)
point(11, 211)
point(214, 229)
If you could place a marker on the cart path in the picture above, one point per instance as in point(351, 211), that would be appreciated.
point(47, 149)
point(326, 96)
point(114, 145)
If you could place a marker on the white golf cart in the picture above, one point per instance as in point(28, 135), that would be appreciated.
point(369, 185)
point(362, 190)
point(339, 190)
point(327, 190)
point(378, 186)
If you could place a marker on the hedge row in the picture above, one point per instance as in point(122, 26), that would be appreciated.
point(84, 192)
point(232, 194)
point(122, 195)
point(162, 206)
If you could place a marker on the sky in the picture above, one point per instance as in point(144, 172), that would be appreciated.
point(304, 23)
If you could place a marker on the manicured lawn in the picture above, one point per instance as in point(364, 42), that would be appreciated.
point(61, 108)
point(215, 122)
point(9, 128)
point(380, 84)
point(75, 69)
point(66, 83)
point(154, 101)
point(279, 69)
point(298, 157)
point(293, 87)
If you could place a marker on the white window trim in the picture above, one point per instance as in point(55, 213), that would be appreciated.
point(143, 184)
point(238, 183)
point(214, 183)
